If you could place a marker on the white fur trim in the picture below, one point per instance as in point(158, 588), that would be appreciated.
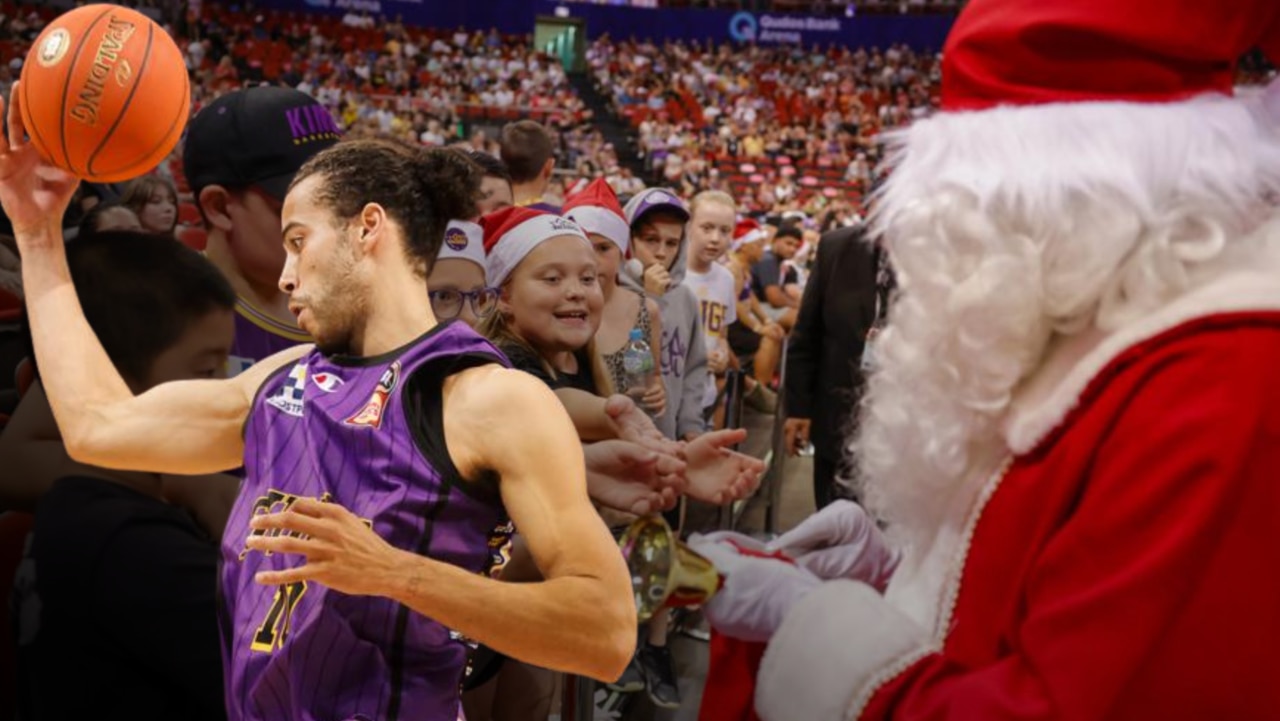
point(518, 242)
point(463, 240)
point(1046, 399)
point(601, 221)
point(751, 237)
point(833, 650)
point(1042, 159)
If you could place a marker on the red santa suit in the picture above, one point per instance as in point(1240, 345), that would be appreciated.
point(1118, 560)
point(1126, 543)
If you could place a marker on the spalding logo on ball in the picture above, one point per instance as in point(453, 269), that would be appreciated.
point(456, 239)
point(105, 93)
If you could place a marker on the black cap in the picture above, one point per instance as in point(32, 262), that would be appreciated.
point(256, 137)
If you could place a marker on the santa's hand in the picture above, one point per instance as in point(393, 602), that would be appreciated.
point(840, 541)
point(757, 593)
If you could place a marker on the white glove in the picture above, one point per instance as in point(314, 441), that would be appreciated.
point(757, 593)
point(840, 541)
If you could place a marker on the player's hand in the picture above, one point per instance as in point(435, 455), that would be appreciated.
point(631, 424)
point(717, 474)
point(654, 400)
point(338, 549)
point(632, 479)
point(656, 279)
point(796, 433)
point(34, 194)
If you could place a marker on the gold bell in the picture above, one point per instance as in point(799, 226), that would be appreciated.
point(665, 573)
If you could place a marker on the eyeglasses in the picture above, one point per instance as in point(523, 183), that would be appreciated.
point(447, 304)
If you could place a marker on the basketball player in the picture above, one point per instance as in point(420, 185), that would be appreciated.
point(382, 464)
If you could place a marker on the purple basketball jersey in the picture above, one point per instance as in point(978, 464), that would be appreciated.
point(365, 434)
point(259, 336)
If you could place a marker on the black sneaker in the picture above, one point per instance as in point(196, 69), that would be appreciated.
point(660, 676)
point(632, 679)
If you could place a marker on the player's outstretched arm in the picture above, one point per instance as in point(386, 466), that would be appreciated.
point(183, 428)
point(581, 619)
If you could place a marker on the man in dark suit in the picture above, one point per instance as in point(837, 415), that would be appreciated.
point(843, 301)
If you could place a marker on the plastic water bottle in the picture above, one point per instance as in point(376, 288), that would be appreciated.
point(637, 363)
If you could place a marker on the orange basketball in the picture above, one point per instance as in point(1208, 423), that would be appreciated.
point(104, 93)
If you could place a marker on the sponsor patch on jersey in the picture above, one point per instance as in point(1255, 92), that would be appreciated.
point(289, 397)
point(371, 415)
point(327, 382)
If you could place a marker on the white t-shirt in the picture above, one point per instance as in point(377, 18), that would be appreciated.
point(719, 310)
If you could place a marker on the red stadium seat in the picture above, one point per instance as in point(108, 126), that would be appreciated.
point(189, 214)
point(193, 237)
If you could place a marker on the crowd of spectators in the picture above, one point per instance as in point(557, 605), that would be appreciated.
point(788, 126)
point(783, 129)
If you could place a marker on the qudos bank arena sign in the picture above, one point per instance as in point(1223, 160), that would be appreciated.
point(745, 27)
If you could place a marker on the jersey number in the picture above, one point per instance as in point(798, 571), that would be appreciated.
point(275, 627)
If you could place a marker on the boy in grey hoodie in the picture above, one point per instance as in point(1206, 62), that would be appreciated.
point(657, 218)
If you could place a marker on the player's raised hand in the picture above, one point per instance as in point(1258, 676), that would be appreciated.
point(339, 550)
point(35, 194)
point(717, 474)
point(630, 478)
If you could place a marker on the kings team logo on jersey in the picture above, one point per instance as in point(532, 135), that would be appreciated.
point(371, 415)
point(289, 397)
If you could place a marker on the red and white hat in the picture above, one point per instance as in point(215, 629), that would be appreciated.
point(463, 240)
point(597, 210)
point(1103, 99)
point(513, 233)
point(746, 231)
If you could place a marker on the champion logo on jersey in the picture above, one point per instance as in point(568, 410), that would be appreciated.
point(289, 397)
point(327, 382)
point(371, 414)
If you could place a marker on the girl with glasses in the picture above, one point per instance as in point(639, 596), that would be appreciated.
point(457, 281)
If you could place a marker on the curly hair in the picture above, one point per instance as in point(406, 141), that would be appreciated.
point(421, 189)
point(997, 270)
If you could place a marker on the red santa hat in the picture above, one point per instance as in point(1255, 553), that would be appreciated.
point(463, 240)
point(514, 232)
point(1101, 98)
point(746, 231)
point(597, 210)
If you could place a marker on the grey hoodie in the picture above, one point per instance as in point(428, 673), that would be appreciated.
point(683, 352)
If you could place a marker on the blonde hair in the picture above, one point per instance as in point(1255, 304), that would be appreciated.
point(993, 269)
point(711, 196)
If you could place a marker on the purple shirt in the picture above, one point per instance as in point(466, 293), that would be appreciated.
point(259, 336)
point(365, 433)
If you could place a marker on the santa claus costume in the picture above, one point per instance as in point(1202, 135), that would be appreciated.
point(1073, 432)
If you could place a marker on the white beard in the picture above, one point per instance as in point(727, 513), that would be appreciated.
point(999, 255)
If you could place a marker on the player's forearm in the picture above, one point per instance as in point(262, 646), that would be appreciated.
point(78, 377)
point(571, 623)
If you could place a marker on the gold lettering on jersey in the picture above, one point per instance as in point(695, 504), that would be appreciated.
point(275, 502)
point(89, 98)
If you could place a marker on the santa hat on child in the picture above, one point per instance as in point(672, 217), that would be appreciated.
point(1045, 102)
point(463, 240)
point(597, 210)
point(746, 231)
point(512, 233)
